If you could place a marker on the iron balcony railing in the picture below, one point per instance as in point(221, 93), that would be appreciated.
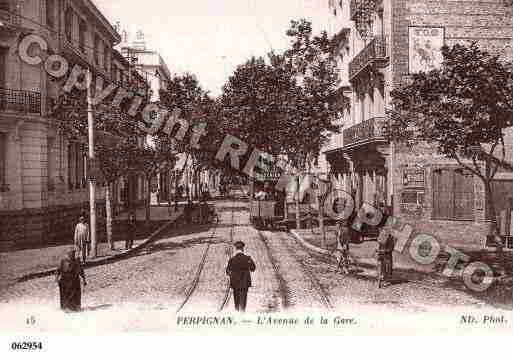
point(375, 50)
point(20, 101)
point(370, 130)
point(10, 18)
point(354, 6)
point(357, 7)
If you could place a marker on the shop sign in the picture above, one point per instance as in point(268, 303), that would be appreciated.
point(412, 202)
point(424, 48)
point(413, 177)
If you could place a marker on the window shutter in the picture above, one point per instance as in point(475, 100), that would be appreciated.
point(443, 194)
point(463, 194)
point(71, 163)
point(3, 150)
point(3, 65)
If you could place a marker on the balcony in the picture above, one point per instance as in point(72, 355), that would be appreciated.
point(10, 19)
point(20, 101)
point(374, 53)
point(357, 6)
point(368, 131)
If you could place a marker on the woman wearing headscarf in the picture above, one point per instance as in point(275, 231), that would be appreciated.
point(68, 277)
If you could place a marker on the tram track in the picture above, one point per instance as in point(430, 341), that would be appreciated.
point(289, 294)
point(226, 297)
point(189, 294)
point(314, 280)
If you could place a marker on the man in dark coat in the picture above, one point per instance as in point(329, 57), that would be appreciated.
point(239, 269)
point(132, 231)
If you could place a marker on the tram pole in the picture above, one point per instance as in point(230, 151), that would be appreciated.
point(92, 180)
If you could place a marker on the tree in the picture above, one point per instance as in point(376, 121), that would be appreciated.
point(257, 104)
point(465, 104)
point(285, 104)
point(115, 131)
point(151, 161)
point(313, 63)
point(185, 93)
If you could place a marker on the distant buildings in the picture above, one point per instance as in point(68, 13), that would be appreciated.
point(387, 40)
point(151, 66)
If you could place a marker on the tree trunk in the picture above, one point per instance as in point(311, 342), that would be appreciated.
point(298, 215)
point(108, 212)
point(148, 200)
point(321, 217)
point(169, 188)
point(493, 214)
point(176, 193)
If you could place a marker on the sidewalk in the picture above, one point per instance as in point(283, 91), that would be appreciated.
point(364, 254)
point(24, 264)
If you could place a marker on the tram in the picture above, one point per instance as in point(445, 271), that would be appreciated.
point(266, 204)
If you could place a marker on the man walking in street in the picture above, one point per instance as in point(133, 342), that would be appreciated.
point(239, 270)
point(81, 239)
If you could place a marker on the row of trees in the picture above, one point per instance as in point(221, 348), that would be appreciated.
point(285, 104)
point(117, 146)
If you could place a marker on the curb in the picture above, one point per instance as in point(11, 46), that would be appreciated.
point(308, 245)
point(357, 261)
point(371, 262)
point(109, 259)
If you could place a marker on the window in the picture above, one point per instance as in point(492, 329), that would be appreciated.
point(68, 24)
point(3, 70)
point(96, 50)
point(106, 52)
point(71, 165)
point(362, 107)
point(50, 163)
point(453, 194)
point(50, 13)
point(82, 29)
point(113, 72)
point(80, 181)
point(76, 166)
point(3, 159)
point(5, 5)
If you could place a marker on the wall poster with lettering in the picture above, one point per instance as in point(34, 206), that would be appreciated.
point(424, 48)
point(413, 177)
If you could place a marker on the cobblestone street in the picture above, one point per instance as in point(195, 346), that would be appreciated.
point(185, 272)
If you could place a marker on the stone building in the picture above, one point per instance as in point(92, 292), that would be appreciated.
point(43, 175)
point(150, 65)
point(388, 41)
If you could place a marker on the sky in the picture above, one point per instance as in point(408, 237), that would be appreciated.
point(209, 38)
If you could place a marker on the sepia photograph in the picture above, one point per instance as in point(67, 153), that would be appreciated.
point(229, 167)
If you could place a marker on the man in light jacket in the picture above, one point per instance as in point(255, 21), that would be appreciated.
point(82, 240)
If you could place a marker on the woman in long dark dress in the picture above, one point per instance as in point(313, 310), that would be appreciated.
point(68, 276)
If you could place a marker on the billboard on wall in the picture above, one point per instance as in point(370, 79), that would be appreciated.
point(424, 48)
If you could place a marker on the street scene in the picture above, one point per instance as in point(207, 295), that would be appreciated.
point(350, 159)
point(184, 271)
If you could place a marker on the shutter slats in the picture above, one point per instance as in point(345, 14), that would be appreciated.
point(453, 194)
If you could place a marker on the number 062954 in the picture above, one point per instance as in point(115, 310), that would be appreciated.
point(26, 345)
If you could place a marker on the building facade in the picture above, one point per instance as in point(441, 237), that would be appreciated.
point(150, 66)
point(388, 41)
point(43, 179)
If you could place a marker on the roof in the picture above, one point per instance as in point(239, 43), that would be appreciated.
point(108, 26)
